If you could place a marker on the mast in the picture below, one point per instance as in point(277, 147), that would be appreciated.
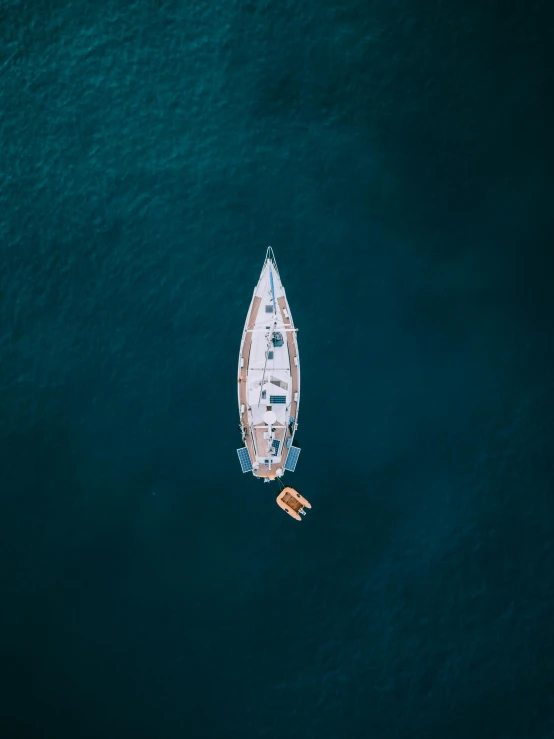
point(265, 365)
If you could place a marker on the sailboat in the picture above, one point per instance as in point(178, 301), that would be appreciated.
point(269, 387)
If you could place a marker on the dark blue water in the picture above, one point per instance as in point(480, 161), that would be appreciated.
point(398, 157)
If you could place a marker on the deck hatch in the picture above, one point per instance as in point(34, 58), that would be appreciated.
point(276, 399)
point(275, 446)
point(244, 459)
point(269, 309)
point(292, 458)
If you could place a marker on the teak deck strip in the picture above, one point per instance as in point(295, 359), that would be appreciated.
point(293, 368)
point(243, 373)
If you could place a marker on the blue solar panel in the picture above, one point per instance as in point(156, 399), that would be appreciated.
point(244, 459)
point(275, 399)
point(292, 458)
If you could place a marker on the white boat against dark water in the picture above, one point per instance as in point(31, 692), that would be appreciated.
point(269, 387)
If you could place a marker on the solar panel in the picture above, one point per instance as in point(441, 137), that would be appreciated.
point(244, 459)
point(292, 458)
point(275, 445)
point(275, 399)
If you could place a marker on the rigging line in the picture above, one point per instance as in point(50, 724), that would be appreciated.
point(270, 334)
point(272, 290)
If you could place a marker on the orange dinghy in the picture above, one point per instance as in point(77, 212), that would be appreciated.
point(293, 503)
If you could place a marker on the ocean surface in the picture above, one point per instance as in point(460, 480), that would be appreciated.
point(398, 157)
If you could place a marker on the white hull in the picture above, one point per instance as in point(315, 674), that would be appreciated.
point(268, 379)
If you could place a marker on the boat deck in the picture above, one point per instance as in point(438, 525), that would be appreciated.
point(281, 432)
point(261, 443)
